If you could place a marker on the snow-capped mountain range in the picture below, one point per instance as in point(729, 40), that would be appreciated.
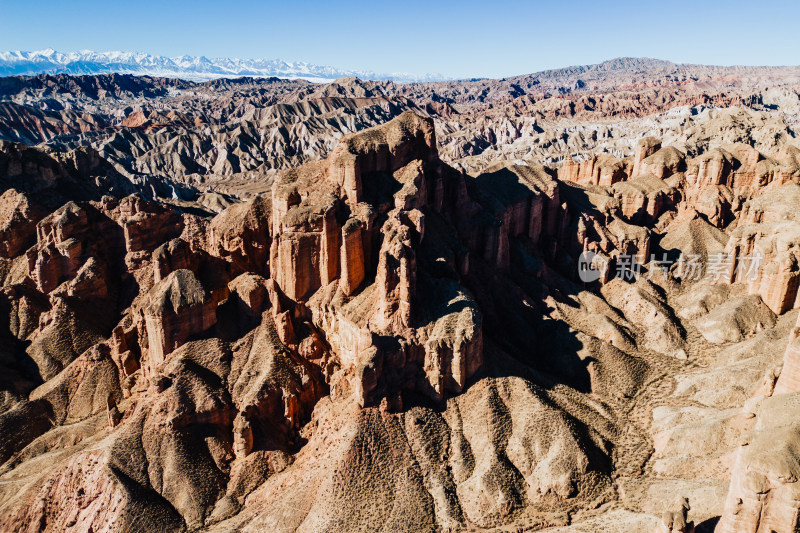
point(186, 67)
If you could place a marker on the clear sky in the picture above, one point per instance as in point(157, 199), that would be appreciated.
point(459, 39)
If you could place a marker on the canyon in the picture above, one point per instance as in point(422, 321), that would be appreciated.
point(273, 305)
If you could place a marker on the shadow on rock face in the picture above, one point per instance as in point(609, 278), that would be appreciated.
point(707, 526)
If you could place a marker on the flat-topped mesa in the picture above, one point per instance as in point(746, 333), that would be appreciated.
point(146, 224)
point(644, 149)
point(712, 168)
point(384, 148)
point(645, 198)
point(517, 201)
point(600, 169)
point(662, 164)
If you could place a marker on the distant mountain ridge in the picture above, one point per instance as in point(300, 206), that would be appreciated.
point(607, 75)
point(87, 62)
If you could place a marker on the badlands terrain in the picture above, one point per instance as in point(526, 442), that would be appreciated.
point(268, 305)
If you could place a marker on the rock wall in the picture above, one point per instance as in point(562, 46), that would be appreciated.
point(763, 494)
point(764, 248)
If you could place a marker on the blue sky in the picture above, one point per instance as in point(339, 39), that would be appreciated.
point(459, 39)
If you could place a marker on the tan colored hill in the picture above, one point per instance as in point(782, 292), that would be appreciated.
point(377, 339)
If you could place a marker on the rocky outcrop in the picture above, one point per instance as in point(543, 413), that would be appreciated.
point(177, 254)
point(60, 249)
point(764, 249)
point(178, 308)
point(330, 248)
point(644, 198)
point(352, 256)
point(788, 380)
point(241, 235)
point(18, 219)
point(713, 168)
point(763, 491)
point(644, 148)
point(675, 519)
point(645, 307)
point(601, 169)
point(662, 164)
point(146, 225)
point(735, 320)
point(251, 292)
